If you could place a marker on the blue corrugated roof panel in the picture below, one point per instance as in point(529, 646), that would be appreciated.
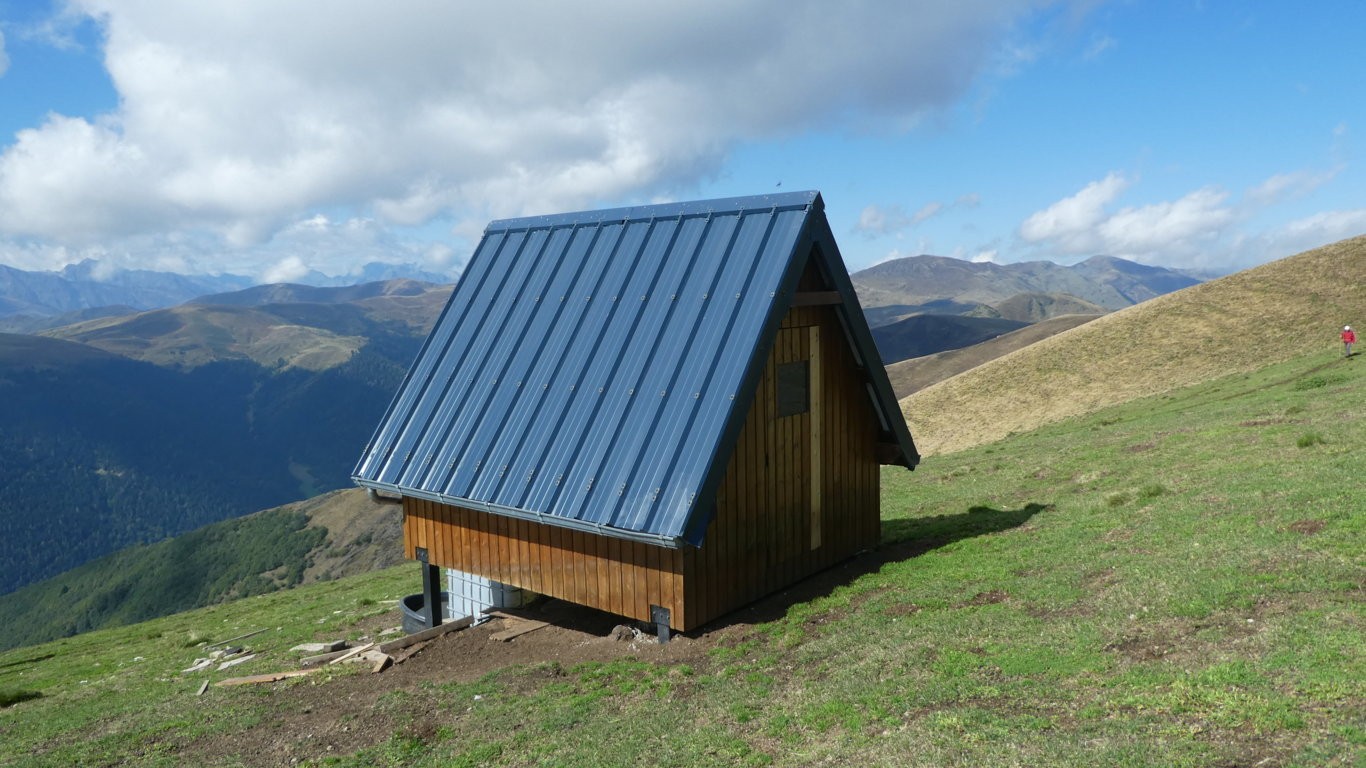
point(589, 366)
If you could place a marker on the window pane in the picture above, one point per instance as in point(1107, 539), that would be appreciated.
point(794, 383)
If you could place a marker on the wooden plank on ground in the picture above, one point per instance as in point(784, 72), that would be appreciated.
point(269, 678)
point(235, 639)
point(517, 628)
point(358, 650)
point(426, 634)
point(410, 651)
point(322, 658)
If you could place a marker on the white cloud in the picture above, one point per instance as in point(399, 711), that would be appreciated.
point(1289, 185)
point(1167, 232)
point(876, 220)
point(1167, 227)
point(1071, 223)
point(1099, 45)
point(236, 120)
point(1316, 230)
point(286, 270)
point(927, 211)
point(1297, 236)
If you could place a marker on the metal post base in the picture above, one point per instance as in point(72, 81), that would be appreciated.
point(431, 589)
point(660, 617)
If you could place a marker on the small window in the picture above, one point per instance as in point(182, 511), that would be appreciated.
point(794, 388)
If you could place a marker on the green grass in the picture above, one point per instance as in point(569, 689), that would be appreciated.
point(1172, 582)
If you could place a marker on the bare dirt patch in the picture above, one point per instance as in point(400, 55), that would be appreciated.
point(1307, 527)
point(342, 712)
point(337, 713)
point(902, 609)
point(993, 597)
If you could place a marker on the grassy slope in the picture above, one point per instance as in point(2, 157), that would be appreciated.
point(909, 376)
point(1175, 581)
point(920, 335)
point(1235, 324)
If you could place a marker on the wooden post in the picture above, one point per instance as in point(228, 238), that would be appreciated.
point(431, 591)
point(815, 392)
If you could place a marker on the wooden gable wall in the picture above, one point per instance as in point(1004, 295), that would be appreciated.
point(800, 494)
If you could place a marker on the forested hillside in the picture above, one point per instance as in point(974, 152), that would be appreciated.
point(100, 452)
point(330, 536)
point(221, 562)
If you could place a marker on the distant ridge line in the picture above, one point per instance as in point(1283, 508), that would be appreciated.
point(1234, 324)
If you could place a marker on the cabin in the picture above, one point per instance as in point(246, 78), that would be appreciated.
point(664, 412)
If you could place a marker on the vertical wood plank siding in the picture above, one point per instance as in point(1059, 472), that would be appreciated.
point(779, 517)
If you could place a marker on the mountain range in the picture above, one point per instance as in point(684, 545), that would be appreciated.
point(125, 427)
point(934, 284)
point(33, 295)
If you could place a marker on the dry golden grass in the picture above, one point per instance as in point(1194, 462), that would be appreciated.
point(913, 375)
point(1234, 324)
point(362, 535)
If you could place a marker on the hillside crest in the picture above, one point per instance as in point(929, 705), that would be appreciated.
point(1234, 324)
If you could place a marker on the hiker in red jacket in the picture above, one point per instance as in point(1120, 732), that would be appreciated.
point(1349, 338)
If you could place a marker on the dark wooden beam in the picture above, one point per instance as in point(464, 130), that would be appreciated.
point(889, 453)
point(816, 298)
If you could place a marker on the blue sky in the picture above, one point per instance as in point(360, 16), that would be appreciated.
point(259, 137)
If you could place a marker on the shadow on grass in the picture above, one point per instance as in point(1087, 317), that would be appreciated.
point(901, 540)
point(10, 698)
point(925, 533)
point(23, 662)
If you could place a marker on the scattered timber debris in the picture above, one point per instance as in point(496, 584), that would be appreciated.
point(199, 666)
point(235, 639)
point(328, 647)
point(380, 656)
point(236, 661)
point(514, 624)
point(353, 652)
point(268, 678)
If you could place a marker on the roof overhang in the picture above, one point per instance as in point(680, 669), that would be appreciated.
point(584, 526)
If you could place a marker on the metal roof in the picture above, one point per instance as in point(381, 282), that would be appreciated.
point(593, 370)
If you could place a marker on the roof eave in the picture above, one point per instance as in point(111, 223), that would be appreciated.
point(659, 540)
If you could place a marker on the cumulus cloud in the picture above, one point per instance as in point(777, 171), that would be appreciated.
point(1072, 222)
point(1283, 186)
point(889, 219)
point(1296, 236)
point(1203, 228)
point(1164, 232)
point(235, 120)
point(1200, 216)
point(286, 270)
point(1309, 232)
